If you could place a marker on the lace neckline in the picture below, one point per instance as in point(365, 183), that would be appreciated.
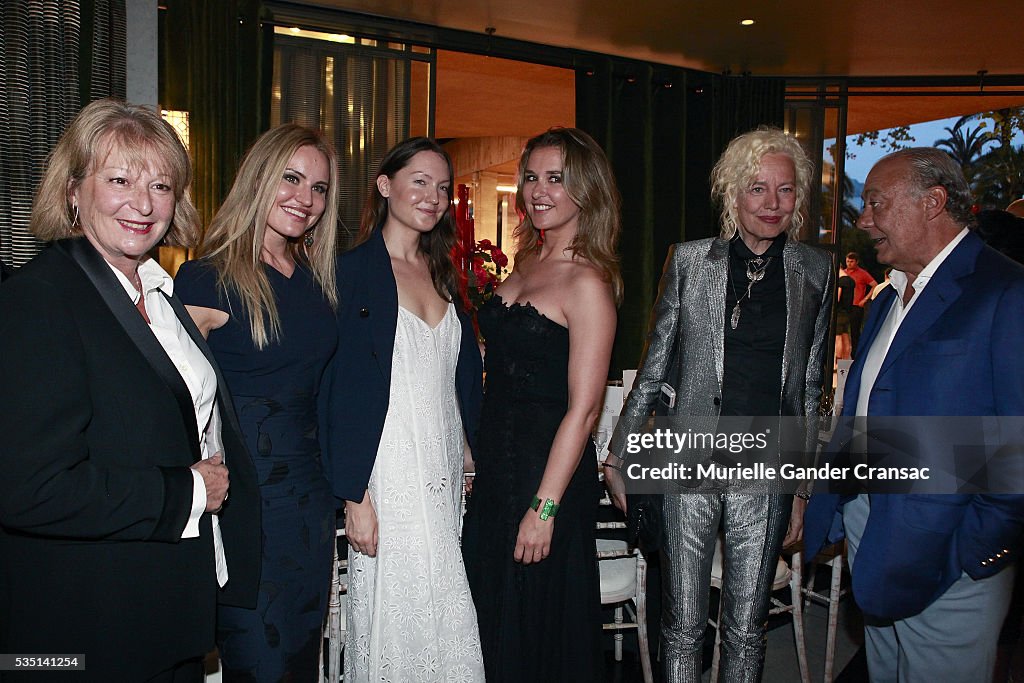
point(526, 307)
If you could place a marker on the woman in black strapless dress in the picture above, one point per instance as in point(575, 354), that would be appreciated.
point(528, 538)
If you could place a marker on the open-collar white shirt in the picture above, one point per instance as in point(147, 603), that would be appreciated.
point(198, 375)
point(875, 355)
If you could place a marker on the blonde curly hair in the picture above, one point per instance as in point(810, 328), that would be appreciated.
point(739, 165)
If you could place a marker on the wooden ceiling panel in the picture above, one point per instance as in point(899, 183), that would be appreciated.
point(878, 112)
point(792, 37)
point(481, 96)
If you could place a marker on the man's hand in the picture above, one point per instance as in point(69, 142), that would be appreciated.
point(215, 475)
point(361, 526)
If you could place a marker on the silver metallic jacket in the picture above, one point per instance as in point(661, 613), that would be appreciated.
point(690, 314)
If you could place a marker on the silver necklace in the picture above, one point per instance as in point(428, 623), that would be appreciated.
point(756, 268)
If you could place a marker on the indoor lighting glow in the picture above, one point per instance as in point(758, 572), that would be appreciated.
point(506, 188)
point(316, 35)
point(179, 122)
point(747, 22)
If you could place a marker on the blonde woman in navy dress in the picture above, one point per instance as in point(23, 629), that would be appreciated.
point(263, 291)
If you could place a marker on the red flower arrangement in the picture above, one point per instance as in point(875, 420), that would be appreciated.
point(487, 268)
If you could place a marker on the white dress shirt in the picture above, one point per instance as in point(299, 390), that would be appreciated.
point(198, 376)
point(875, 355)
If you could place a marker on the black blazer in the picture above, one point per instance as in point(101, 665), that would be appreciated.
point(358, 384)
point(99, 433)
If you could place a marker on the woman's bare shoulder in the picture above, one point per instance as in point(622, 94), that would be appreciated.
point(585, 282)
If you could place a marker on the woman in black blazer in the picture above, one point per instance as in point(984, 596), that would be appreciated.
point(404, 402)
point(114, 465)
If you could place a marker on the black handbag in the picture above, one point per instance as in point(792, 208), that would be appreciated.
point(645, 523)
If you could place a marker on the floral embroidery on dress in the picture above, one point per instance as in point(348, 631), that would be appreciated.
point(410, 613)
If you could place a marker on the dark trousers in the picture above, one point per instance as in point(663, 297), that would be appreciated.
point(189, 671)
point(856, 322)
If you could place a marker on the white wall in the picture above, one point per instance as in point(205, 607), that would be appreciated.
point(142, 40)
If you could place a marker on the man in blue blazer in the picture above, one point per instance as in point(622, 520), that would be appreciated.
point(932, 573)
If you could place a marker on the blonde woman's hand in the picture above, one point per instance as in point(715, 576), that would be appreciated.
point(533, 543)
point(614, 482)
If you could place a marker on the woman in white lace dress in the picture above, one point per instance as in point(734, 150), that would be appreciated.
point(405, 399)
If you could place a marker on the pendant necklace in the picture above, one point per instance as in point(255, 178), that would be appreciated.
point(756, 268)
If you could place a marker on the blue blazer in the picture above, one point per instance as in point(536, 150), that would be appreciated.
point(358, 383)
point(956, 353)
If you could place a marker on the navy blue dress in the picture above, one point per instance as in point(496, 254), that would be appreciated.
point(275, 394)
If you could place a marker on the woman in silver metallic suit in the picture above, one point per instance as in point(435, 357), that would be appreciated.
point(740, 323)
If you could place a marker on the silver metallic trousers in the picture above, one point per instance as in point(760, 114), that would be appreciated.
point(753, 526)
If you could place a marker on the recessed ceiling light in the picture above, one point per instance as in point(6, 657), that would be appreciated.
point(747, 22)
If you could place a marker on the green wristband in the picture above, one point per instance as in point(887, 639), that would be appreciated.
point(548, 510)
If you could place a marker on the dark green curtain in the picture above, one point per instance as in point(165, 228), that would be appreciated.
point(663, 129)
point(746, 102)
point(217, 64)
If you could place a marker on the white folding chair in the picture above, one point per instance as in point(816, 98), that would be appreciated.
point(623, 572)
point(832, 556)
point(334, 632)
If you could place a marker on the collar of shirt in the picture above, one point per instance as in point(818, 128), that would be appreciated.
point(740, 250)
point(898, 278)
point(874, 355)
point(152, 277)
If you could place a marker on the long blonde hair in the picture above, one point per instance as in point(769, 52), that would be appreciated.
point(589, 181)
point(141, 135)
point(234, 240)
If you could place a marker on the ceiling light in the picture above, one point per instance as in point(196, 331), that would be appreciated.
point(747, 22)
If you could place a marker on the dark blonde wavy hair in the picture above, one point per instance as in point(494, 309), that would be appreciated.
point(436, 244)
point(143, 137)
point(234, 240)
point(589, 181)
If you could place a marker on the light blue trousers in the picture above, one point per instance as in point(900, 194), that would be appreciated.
point(952, 641)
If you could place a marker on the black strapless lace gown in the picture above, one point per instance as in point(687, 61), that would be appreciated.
point(538, 622)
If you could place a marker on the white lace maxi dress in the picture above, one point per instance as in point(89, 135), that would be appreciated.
point(410, 613)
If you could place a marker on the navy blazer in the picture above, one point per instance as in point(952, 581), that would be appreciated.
point(956, 353)
point(357, 387)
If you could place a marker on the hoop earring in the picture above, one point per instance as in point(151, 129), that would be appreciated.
point(308, 239)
